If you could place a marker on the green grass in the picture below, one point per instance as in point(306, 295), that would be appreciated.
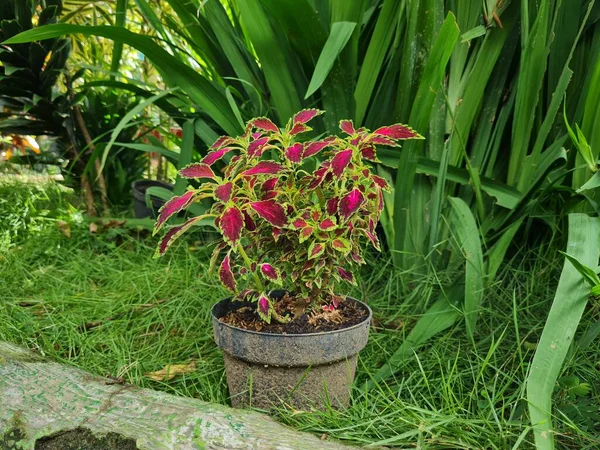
point(449, 394)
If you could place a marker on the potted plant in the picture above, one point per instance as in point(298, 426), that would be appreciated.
point(292, 236)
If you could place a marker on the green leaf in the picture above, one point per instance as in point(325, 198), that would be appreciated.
point(589, 275)
point(337, 40)
point(592, 183)
point(563, 319)
point(465, 229)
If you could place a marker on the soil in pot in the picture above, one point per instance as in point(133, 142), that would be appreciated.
point(345, 315)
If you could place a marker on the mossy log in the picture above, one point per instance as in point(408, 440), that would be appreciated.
point(48, 406)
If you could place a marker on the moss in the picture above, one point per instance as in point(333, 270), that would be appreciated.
point(84, 439)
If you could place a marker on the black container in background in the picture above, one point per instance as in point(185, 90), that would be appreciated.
point(141, 210)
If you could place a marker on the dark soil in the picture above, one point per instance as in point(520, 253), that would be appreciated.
point(347, 314)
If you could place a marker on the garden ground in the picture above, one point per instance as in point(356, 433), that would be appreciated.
point(94, 297)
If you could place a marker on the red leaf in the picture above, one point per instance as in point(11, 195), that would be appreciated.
point(369, 153)
point(373, 238)
point(231, 223)
point(271, 211)
point(315, 250)
point(350, 203)
point(264, 308)
point(264, 167)
point(345, 275)
point(221, 142)
point(306, 115)
point(306, 233)
point(341, 245)
point(347, 127)
point(173, 206)
point(223, 192)
point(332, 205)
point(255, 148)
point(210, 158)
point(173, 234)
point(340, 161)
point(198, 170)
point(397, 131)
point(380, 182)
point(226, 275)
point(315, 147)
point(294, 152)
point(262, 123)
point(327, 225)
point(299, 223)
point(299, 128)
point(248, 222)
point(269, 185)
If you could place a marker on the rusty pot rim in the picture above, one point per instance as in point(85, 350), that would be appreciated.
point(319, 333)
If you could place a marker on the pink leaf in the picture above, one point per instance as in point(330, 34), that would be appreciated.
point(306, 115)
point(294, 152)
point(350, 203)
point(255, 147)
point(270, 273)
point(315, 250)
point(299, 128)
point(198, 170)
point(373, 238)
point(221, 142)
point(262, 123)
point(382, 141)
point(347, 127)
point(226, 275)
point(327, 225)
point(345, 275)
point(332, 205)
point(231, 223)
point(315, 147)
point(223, 192)
point(264, 308)
point(397, 131)
point(271, 211)
point(210, 158)
point(340, 161)
point(264, 167)
point(173, 206)
point(173, 234)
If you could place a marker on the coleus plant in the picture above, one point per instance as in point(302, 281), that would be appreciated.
point(285, 225)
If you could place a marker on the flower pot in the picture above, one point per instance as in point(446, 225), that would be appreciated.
point(266, 370)
point(140, 208)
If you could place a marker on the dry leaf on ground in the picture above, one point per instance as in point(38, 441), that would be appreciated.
point(64, 228)
point(170, 371)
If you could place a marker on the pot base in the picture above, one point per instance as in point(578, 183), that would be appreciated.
point(266, 387)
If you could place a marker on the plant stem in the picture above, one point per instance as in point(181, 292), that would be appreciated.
point(249, 266)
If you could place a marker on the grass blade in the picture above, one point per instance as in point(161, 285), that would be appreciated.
point(120, 19)
point(566, 311)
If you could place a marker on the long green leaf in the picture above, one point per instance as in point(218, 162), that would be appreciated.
point(465, 229)
point(563, 319)
point(120, 19)
point(337, 40)
point(185, 156)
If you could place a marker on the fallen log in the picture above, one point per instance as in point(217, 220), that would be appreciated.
point(48, 406)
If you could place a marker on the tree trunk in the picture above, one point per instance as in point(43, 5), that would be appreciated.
point(48, 406)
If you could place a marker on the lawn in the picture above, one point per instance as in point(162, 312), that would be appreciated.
point(99, 301)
